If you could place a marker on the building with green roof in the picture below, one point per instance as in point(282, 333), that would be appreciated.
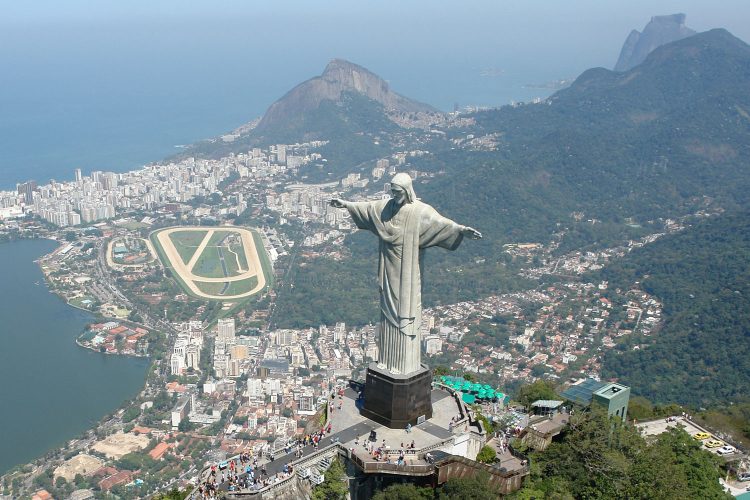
point(614, 398)
point(611, 396)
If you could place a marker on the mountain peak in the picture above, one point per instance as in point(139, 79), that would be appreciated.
point(342, 64)
point(339, 77)
point(716, 55)
point(659, 31)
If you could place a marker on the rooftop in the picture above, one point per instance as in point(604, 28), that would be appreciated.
point(583, 392)
point(609, 390)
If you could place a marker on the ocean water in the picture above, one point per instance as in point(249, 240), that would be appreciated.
point(52, 389)
point(112, 85)
point(91, 115)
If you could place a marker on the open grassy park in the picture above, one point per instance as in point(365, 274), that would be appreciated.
point(226, 263)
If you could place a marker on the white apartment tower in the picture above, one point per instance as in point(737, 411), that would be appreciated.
point(177, 364)
point(226, 329)
point(193, 356)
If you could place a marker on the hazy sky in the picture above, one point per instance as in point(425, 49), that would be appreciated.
point(292, 40)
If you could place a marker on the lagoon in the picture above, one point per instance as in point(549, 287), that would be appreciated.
point(51, 389)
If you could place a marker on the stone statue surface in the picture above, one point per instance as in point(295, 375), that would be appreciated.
point(405, 227)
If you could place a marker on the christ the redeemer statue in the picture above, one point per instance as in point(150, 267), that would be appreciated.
point(405, 227)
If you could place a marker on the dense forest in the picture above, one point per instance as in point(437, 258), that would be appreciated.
point(661, 140)
point(596, 458)
point(701, 356)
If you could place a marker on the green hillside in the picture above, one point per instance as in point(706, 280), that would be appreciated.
point(702, 275)
point(665, 139)
point(660, 140)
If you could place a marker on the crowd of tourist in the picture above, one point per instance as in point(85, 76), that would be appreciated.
point(244, 472)
point(240, 473)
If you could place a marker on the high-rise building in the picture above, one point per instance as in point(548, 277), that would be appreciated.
point(27, 191)
point(79, 177)
point(177, 364)
point(285, 337)
point(192, 356)
point(254, 388)
point(226, 329)
point(432, 344)
point(234, 368)
point(339, 332)
point(306, 402)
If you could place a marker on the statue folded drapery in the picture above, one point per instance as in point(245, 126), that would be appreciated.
point(405, 227)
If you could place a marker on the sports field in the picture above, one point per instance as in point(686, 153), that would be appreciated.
point(214, 263)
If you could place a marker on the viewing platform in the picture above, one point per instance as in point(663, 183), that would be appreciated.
point(431, 452)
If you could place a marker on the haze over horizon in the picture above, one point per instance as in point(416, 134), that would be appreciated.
point(111, 86)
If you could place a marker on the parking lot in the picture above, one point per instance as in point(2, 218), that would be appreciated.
point(655, 427)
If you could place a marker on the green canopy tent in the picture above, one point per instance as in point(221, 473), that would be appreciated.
point(469, 398)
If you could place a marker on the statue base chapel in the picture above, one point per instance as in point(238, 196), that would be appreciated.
point(397, 400)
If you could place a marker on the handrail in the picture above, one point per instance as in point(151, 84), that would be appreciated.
point(299, 463)
point(517, 453)
point(437, 445)
point(488, 468)
point(377, 466)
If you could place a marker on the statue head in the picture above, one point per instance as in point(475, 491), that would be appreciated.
point(402, 190)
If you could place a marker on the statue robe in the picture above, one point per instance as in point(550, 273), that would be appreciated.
point(404, 233)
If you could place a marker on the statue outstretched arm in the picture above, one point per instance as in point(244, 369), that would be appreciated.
point(339, 203)
point(471, 232)
point(360, 212)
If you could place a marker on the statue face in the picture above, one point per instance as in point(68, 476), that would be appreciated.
point(398, 194)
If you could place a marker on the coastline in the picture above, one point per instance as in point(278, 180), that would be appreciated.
point(49, 326)
point(52, 289)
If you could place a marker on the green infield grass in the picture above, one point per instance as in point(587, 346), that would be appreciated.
point(208, 264)
point(187, 242)
point(234, 288)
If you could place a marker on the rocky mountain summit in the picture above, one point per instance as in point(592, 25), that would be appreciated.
point(659, 31)
point(338, 78)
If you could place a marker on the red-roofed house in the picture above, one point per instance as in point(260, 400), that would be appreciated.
point(175, 387)
point(136, 336)
point(42, 495)
point(105, 471)
point(115, 479)
point(159, 450)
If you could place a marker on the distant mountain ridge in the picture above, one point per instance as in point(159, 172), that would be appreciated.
point(348, 105)
point(659, 31)
point(338, 78)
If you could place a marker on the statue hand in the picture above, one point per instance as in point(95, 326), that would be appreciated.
point(337, 203)
point(471, 233)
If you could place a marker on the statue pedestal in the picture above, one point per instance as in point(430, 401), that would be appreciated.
point(397, 400)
